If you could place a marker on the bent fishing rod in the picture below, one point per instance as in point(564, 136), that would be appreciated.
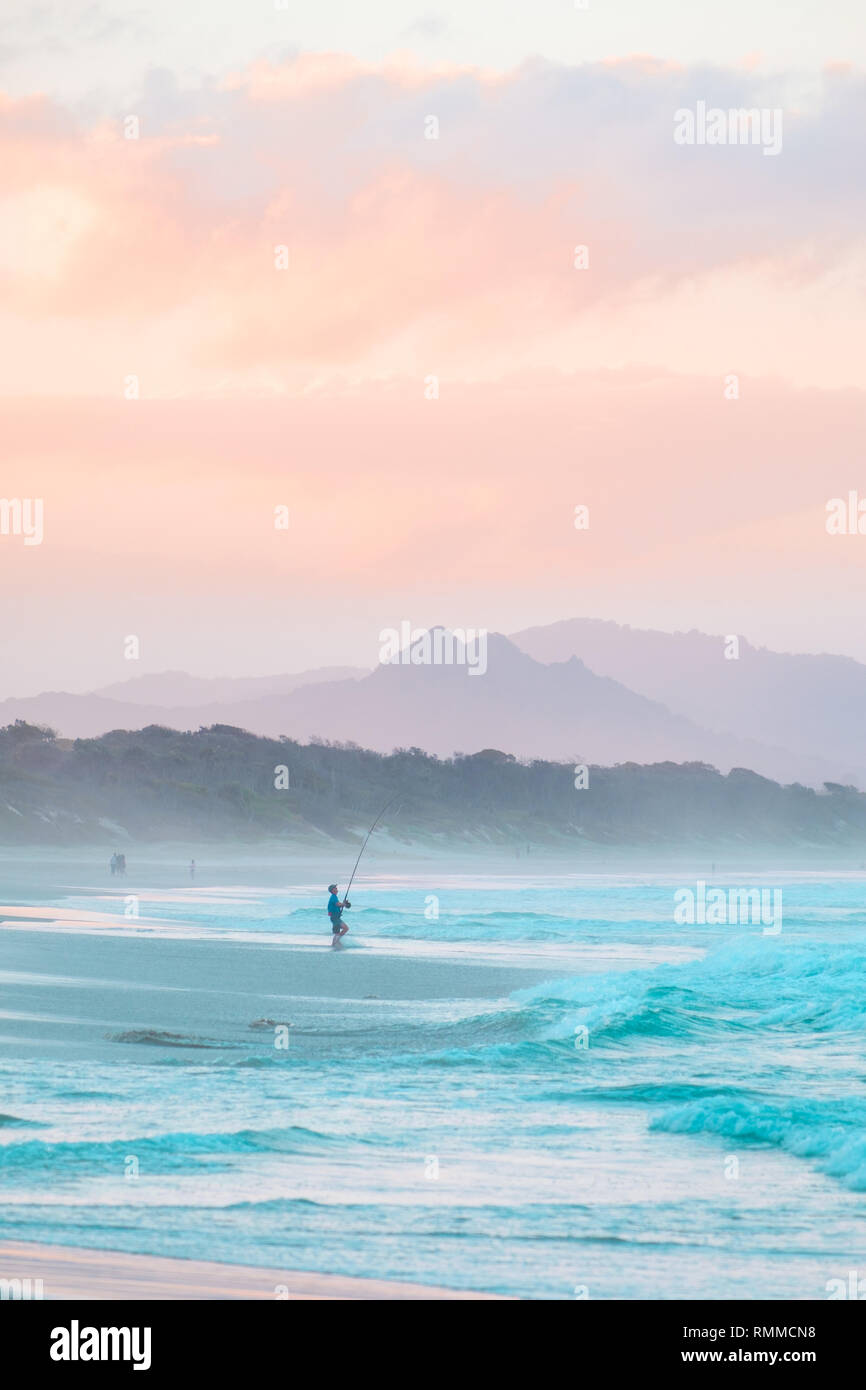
point(366, 838)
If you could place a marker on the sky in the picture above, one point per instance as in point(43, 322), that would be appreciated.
point(318, 319)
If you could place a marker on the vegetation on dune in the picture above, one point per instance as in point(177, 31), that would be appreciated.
point(222, 783)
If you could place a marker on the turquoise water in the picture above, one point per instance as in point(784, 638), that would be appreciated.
point(433, 1114)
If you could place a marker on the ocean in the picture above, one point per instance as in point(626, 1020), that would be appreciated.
point(538, 1084)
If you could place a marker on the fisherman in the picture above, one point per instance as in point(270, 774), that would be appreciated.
point(335, 912)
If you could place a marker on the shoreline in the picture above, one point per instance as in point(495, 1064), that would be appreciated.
point(271, 865)
point(79, 1272)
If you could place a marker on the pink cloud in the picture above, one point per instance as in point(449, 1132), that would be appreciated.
point(393, 239)
point(384, 486)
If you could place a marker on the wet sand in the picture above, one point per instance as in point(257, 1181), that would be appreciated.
point(70, 1272)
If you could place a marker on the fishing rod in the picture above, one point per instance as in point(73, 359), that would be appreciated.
point(366, 838)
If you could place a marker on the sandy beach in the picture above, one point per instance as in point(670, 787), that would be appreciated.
point(68, 1272)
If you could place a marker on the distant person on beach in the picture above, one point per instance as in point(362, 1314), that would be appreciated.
point(192, 868)
point(335, 912)
point(121, 864)
point(113, 864)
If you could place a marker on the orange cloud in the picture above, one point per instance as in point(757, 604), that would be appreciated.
point(162, 251)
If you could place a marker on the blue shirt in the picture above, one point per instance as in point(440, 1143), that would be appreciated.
point(334, 908)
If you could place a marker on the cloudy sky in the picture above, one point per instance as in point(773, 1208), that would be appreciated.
point(233, 214)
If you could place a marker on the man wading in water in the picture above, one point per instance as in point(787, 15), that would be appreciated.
point(335, 912)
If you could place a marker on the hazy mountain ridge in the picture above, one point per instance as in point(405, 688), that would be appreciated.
point(629, 696)
point(799, 701)
point(177, 689)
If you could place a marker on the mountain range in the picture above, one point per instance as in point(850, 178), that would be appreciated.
point(581, 691)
